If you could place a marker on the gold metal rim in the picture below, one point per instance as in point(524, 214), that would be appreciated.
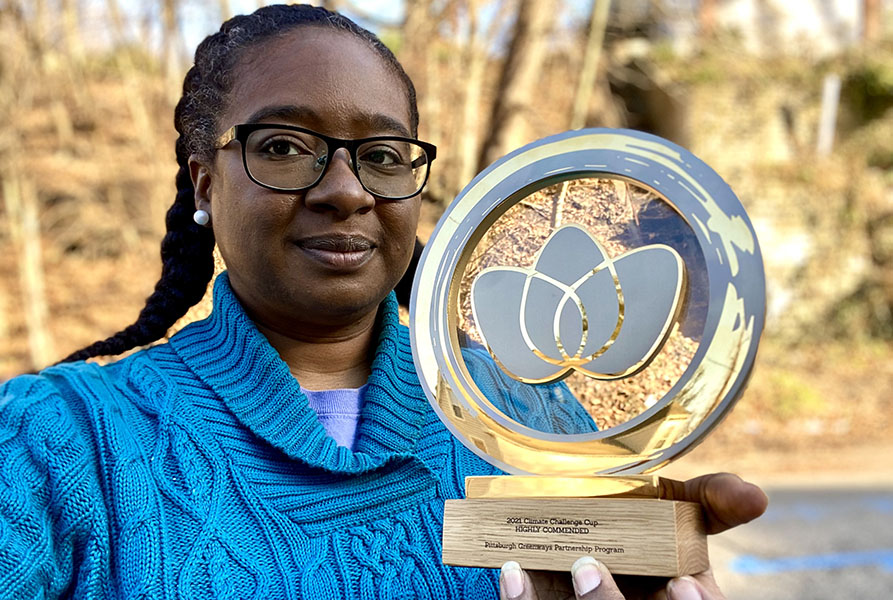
point(720, 368)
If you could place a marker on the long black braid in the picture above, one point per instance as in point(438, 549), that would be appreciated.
point(187, 249)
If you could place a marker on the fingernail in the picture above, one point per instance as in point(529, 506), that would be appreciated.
point(683, 588)
point(512, 579)
point(586, 575)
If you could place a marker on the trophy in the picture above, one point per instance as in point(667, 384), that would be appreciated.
point(586, 310)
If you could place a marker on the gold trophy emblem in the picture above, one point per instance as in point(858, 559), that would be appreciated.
point(586, 311)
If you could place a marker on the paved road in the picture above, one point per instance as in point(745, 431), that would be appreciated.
point(812, 543)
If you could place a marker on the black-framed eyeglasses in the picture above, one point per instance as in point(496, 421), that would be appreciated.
point(286, 158)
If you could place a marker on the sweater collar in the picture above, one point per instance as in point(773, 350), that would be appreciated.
point(235, 360)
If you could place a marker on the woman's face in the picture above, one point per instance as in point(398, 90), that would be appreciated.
point(327, 256)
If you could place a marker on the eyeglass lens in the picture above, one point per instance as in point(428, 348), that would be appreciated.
point(286, 159)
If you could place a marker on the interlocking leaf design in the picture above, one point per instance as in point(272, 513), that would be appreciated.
point(578, 309)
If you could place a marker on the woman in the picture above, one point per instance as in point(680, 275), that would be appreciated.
point(200, 467)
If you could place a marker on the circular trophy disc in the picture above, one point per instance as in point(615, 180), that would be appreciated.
point(590, 303)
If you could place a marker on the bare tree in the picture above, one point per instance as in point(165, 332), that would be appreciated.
point(20, 203)
point(118, 27)
point(420, 55)
point(4, 315)
point(474, 66)
point(871, 20)
point(598, 19)
point(41, 23)
point(707, 18)
point(171, 47)
point(225, 10)
point(518, 80)
point(71, 31)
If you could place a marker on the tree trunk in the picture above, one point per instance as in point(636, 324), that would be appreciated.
point(474, 69)
point(41, 25)
point(420, 57)
point(707, 18)
point(598, 19)
point(21, 208)
point(119, 30)
point(225, 10)
point(475, 64)
point(71, 31)
point(171, 48)
point(4, 317)
point(418, 39)
point(518, 81)
point(871, 20)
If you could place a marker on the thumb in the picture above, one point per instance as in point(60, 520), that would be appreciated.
point(593, 581)
point(515, 584)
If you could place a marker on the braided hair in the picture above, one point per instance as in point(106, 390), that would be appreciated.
point(187, 248)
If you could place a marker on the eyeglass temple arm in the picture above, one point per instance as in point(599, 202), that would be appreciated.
point(228, 136)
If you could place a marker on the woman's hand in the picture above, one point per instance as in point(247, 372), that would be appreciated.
point(591, 580)
point(728, 502)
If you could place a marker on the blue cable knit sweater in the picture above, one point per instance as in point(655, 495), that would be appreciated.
point(197, 469)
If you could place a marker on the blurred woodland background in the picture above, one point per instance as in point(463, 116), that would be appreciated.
point(790, 101)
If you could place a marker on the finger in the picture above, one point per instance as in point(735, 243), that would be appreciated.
point(691, 588)
point(709, 588)
point(728, 500)
point(514, 584)
point(593, 581)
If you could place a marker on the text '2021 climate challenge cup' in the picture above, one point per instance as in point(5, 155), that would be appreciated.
point(587, 310)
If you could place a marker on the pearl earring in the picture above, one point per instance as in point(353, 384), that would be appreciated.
point(201, 217)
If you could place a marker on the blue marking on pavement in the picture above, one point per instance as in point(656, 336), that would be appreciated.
point(819, 509)
point(880, 503)
point(754, 565)
point(804, 511)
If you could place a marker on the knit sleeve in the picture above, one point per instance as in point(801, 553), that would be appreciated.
point(53, 539)
point(548, 407)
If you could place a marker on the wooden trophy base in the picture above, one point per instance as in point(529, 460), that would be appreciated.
point(631, 532)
